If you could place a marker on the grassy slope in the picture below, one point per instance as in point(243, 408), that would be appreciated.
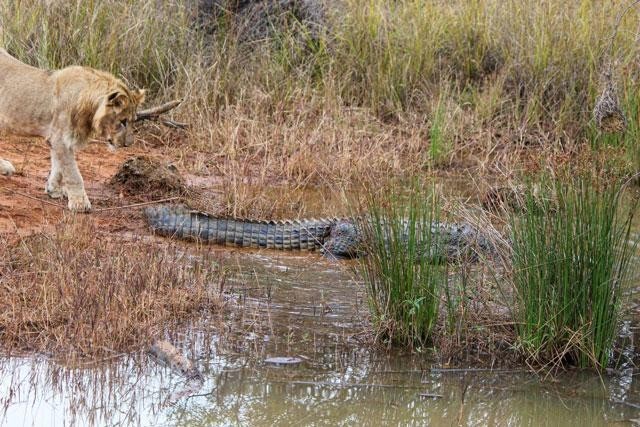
point(395, 88)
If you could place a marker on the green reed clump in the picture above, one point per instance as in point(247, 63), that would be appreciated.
point(571, 259)
point(403, 270)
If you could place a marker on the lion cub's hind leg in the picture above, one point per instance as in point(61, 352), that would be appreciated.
point(6, 168)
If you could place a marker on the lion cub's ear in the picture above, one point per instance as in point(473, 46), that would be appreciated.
point(116, 99)
point(139, 95)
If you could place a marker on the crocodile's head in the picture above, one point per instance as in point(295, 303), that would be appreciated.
point(344, 241)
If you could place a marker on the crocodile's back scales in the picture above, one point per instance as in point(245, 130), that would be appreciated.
point(341, 238)
point(308, 234)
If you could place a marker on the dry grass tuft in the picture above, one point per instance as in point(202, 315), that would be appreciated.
point(75, 295)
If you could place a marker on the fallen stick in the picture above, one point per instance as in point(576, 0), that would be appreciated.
point(37, 198)
point(629, 404)
point(173, 124)
point(431, 395)
point(135, 205)
point(154, 113)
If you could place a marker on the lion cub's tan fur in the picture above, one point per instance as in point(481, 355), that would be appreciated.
point(66, 107)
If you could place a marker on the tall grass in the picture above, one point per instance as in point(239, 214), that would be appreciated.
point(571, 261)
point(376, 93)
point(547, 54)
point(402, 268)
point(144, 41)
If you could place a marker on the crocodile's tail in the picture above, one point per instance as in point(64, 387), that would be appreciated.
point(178, 221)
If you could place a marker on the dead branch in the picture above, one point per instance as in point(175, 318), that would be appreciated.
point(136, 205)
point(36, 198)
point(154, 113)
point(174, 124)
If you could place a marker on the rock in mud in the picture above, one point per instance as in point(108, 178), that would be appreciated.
point(283, 361)
point(143, 175)
point(166, 353)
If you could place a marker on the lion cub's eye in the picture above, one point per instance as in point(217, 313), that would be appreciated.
point(123, 123)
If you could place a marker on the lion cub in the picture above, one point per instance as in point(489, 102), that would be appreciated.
point(66, 107)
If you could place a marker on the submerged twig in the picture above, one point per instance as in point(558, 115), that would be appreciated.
point(166, 353)
point(453, 371)
point(490, 370)
point(343, 385)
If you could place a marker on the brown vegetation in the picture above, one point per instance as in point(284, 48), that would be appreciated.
point(389, 89)
point(75, 293)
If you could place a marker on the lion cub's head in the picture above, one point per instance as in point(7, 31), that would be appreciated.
point(115, 116)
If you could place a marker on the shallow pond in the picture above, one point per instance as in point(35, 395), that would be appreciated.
point(287, 304)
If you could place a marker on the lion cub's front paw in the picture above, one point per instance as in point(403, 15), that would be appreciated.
point(79, 203)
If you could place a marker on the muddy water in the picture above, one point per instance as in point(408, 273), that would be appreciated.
point(307, 307)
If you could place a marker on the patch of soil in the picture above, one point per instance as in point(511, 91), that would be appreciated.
point(25, 209)
point(144, 175)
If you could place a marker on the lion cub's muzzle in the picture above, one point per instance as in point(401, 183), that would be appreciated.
point(123, 137)
point(128, 140)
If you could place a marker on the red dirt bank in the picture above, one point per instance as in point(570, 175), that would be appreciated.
point(21, 216)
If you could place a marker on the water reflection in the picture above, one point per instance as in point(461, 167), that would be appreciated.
point(387, 392)
point(304, 306)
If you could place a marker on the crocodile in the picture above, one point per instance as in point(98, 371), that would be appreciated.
point(337, 237)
